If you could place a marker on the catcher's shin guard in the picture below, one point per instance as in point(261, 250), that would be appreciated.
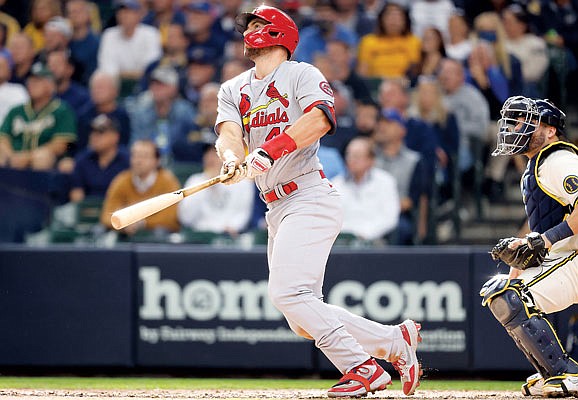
point(531, 332)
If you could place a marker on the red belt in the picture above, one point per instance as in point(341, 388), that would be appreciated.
point(286, 188)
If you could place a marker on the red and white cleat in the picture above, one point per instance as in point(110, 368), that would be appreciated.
point(365, 378)
point(407, 364)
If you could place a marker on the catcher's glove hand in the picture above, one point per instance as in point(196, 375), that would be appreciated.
point(527, 255)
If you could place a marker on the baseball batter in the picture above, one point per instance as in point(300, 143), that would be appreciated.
point(276, 112)
point(544, 273)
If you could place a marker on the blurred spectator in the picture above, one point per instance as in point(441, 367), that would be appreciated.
point(432, 53)
point(232, 68)
point(23, 53)
point(104, 91)
point(331, 161)
point(84, 42)
point(469, 106)
point(392, 49)
point(220, 208)
point(426, 14)
point(473, 8)
point(341, 57)
point(73, 93)
point(395, 94)
point(161, 15)
point(529, 49)
point(190, 142)
point(325, 27)
point(225, 23)
point(41, 11)
point(352, 15)
point(369, 195)
point(36, 134)
point(556, 22)
point(459, 43)
point(201, 70)
point(145, 179)
point(57, 35)
point(12, 26)
point(96, 167)
point(160, 113)
point(204, 37)
point(408, 169)
point(366, 118)
point(125, 50)
point(490, 62)
point(174, 55)
point(428, 105)
point(12, 94)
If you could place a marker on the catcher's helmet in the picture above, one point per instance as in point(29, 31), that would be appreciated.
point(281, 30)
point(552, 115)
point(520, 119)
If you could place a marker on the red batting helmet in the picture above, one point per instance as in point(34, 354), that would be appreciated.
point(281, 30)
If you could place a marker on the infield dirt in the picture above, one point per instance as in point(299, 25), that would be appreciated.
point(241, 394)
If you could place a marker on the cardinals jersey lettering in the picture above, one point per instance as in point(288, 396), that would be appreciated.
point(266, 107)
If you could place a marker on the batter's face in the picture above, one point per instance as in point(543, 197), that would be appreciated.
point(250, 52)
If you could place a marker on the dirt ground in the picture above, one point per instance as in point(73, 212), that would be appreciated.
point(240, 394)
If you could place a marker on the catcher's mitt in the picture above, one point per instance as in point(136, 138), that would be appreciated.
point(528, 255)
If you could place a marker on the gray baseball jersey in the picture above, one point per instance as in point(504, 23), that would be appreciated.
point(266, 107)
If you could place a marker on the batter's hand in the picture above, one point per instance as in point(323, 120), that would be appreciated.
point(258, 162)
point(237, 171)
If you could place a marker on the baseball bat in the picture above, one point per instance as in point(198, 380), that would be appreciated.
point(136, 212)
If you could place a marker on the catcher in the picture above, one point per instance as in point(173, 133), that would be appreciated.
point(544, 265)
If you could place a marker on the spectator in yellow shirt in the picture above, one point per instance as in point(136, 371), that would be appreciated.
point(390, 51)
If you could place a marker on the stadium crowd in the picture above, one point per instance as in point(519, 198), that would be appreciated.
point(89, 88)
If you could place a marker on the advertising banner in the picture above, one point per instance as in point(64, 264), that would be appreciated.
point(66, 307)
point(210, 309)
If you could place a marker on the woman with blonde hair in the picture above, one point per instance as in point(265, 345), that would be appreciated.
point(489, 30)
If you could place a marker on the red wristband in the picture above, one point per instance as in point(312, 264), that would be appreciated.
point(279, 146)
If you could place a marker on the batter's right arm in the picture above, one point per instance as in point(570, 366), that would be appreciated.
point(231, 149)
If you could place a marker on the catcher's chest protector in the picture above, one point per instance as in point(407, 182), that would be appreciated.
point(543, 211)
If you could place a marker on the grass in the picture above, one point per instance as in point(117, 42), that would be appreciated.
point(99, 383)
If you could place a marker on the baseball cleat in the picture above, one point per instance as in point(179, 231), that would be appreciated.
point(533, 385)
point(564, 385)
point(366, 378)
point(407, 363)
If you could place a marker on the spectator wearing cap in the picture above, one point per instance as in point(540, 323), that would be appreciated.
point(36, 134)
point(73, 93)
point(146, 178)
point(174, 55)
point(189, 144)
point(531, 50)
point(104, 92)
point(408, 169)
point(161, 15)
point(225, 22)
point(220, 209)
point(22, 50)
point(12, 94)
point(96, 167)
point(57, 35)
point(126, 49)
point(84, 42)
point(325, 27)
point(200, 71)
point(203, 35)
point(368, 194)
point(41, 11)
point(160, 113)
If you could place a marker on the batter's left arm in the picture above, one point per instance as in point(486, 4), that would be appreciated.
point(310, 127)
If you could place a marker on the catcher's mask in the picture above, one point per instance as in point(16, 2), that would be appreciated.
point(281, 30)
point(520, 119)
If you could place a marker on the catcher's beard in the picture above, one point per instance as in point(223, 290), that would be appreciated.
point(537, 141)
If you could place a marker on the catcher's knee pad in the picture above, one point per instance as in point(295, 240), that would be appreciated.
point(531, 332)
